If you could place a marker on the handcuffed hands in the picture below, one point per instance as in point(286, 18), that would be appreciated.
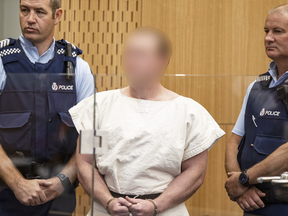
point(130, 206)
point(119, 207)
point(141, 207)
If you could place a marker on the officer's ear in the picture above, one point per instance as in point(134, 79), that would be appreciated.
point(57, 16)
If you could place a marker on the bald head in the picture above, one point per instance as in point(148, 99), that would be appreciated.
point(280, 9)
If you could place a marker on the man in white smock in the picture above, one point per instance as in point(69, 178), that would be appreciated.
point(158, 140)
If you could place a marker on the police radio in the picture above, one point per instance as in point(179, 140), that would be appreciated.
point(282, 92)
point(69, 65)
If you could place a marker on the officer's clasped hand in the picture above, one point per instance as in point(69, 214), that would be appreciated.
point(30, 193)
point(233, 186)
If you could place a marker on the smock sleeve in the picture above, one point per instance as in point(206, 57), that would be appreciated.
point(82, 114)
point(202, 131)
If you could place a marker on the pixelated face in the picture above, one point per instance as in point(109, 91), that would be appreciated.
point(276, 36)
point(141, 60)
point(36, 20)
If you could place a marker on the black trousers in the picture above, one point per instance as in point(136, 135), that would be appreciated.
point(270, 209)
point(62, 205)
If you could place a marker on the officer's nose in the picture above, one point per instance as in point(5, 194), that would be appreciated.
point(31, 17)
point(269, 37)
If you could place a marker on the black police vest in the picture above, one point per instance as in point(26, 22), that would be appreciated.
point(266, 125)
point(34, 105)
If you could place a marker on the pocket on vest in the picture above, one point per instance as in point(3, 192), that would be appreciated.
point(15, 134)
point(266, 145)
point(64, 135)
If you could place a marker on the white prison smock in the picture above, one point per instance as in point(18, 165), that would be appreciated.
point(148, 141)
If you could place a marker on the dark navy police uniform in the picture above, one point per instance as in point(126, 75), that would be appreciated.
point(36, 130)
point(266, 129)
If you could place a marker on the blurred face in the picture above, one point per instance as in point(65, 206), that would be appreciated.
point(36, 20)
point(141, 61)
point(276, 36)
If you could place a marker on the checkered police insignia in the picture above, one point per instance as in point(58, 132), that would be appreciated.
point(62, 52)
point(4, 43)
point(263, 78)
point(9, 51)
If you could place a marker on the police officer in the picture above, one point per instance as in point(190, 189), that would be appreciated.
point(259, 143)
point(37, 135)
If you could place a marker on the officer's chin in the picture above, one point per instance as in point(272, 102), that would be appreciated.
point(32, 37)
point(272, 54)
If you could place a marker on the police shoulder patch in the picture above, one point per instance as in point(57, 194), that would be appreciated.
point(263, 78)
point(62, 50)
point(4, 43)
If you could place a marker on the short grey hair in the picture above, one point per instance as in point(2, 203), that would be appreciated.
point(279, 9)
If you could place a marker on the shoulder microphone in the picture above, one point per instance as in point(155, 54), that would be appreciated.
point(282, 92)
point(69, 65)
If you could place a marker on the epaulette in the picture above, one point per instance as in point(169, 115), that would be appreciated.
point(76, 50)
point(63, 42)
point(4, 43)
point(74, 47)
point(262, 78)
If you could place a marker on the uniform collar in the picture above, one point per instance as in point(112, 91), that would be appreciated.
point(32, 52)
point(273, 71)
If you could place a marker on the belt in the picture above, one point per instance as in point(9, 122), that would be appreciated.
point(32, 169)
point(147, 196)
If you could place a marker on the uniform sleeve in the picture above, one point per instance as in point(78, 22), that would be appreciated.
point(84, 80)
point(2, 76)
point(82, 114)
point(202, 132)
point(239, 126)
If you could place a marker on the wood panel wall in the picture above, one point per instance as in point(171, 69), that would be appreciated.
point(218, 51)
